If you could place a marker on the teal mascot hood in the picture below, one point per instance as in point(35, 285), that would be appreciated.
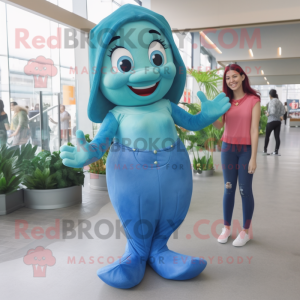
point(100, 37)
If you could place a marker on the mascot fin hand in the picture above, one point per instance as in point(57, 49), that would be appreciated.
point(80, 156)
point(210, 112)
point(86, 153)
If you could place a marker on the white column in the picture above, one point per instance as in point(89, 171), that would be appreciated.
point(196, 50)
point(82, 88)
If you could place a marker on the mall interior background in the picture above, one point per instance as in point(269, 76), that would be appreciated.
point(274, 269)
point(70, 84)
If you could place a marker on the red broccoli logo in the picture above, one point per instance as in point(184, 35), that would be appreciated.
point(39, 258)
point(41, 68)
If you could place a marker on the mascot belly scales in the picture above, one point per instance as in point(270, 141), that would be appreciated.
point(137, 78)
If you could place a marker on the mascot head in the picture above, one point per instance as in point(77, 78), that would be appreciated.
point(133, 61)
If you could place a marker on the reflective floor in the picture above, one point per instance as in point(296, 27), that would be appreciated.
point(268, 267)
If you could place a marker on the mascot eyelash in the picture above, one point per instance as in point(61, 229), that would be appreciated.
point(113, 49)
point(161, 42)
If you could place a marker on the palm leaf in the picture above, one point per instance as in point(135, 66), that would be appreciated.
point(208, 81)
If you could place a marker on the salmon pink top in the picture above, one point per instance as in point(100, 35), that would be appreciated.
point(238, 120)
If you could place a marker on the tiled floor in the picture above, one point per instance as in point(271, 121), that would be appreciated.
point(268, 267)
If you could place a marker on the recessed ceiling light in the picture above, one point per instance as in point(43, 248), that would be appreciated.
point(251, 52)
point(268, 82)
point(262, 72)
point(209, 41)
point(279, 51)
point(265, 78)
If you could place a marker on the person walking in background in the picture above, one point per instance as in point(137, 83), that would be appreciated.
point(40, 133)
point(64, 123)
point(285, 114)
point(19, 125)
point(239, 148)
point(275, 112)
point(4, 125)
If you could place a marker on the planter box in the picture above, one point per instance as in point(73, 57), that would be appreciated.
point(98, 182)
point(11, 202)
point(54, 198)
point(197, 172)
point(207, 173)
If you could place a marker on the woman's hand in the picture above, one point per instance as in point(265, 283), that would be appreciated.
point(252, 166)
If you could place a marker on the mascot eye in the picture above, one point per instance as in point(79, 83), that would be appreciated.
point(121, 59)
point(157, 54)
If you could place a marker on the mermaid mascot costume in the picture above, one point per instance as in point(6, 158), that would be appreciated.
point(137, 78)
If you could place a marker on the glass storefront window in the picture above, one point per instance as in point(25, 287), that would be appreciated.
point(35, 76)
point(4, 77)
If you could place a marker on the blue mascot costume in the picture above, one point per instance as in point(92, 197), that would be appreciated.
point(137, 79)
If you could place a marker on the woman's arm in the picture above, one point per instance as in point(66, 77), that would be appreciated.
point(254, 133)
point(218, 124)
point(66, 116)
point(51, 120)
point(16, 131)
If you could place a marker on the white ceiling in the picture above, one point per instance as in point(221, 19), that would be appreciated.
point(276, 71)
point(264, 42)
point(193, 15)
point(236, 26)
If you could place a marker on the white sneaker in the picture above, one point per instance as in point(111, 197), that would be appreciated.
point(223, 238)
point(242, 239)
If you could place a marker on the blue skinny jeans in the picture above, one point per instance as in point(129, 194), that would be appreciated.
point(235, 160)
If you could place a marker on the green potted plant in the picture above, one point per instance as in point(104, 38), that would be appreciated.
point(207, 165)
point(204, 140)
point(196, 162)
point(11, 175)
point(263, 120)
point(97, 170)
point(209, 82)
point(217, 138)
point(50, 184)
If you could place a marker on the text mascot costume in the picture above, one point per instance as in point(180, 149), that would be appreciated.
point(137, 79)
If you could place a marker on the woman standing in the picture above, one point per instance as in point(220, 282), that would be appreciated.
point(275, 112)
point(4, 125)
point(239, 148)
point(19, 124)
